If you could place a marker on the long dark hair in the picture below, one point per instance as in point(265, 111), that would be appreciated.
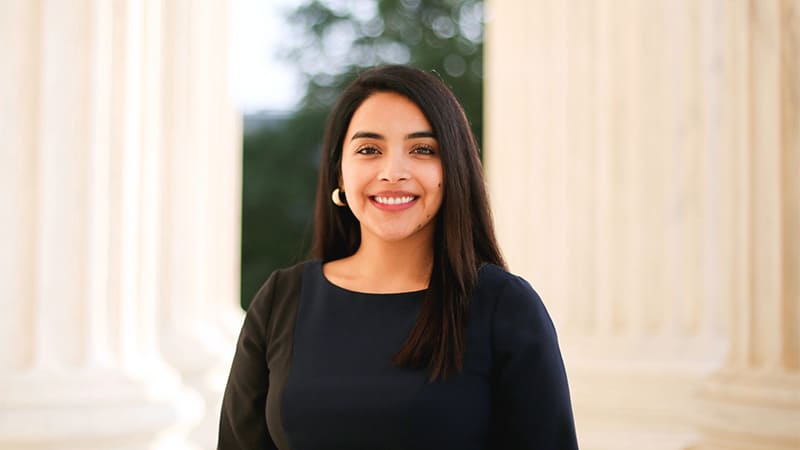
point(464, 236)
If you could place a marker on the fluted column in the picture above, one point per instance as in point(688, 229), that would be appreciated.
point(607, 171)
point(200, 310)
point(753, 402)
point(79, 360)
point(120, 176)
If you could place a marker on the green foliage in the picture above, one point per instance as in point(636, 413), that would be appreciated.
point(281, 161)
point(332, 41)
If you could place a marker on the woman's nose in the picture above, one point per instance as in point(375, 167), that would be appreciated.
point(394, 168)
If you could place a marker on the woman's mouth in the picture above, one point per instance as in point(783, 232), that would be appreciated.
point(393, 203)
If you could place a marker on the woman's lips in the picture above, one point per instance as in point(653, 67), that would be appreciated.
point(393, 202)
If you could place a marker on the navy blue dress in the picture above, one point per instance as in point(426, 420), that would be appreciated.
point(312, 372)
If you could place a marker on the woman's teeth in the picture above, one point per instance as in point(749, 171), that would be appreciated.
point(394, 200)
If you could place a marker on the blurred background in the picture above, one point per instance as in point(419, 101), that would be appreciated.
point(159, 160)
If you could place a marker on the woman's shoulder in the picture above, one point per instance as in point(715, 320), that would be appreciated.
point(282, 283)
point(294, 271)
point(502, 283)
point(511, 297)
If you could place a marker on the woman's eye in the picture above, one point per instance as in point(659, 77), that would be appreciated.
point(423, 150)
point(367, 151)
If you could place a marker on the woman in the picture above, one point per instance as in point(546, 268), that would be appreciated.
point(405, 332)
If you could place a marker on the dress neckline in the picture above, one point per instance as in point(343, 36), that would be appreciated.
point(321, 273)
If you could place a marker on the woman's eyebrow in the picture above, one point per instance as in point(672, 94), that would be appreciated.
point(367, 135)
point(421, 134)
point(371, 135)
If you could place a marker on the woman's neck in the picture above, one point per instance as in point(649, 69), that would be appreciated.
point(382, 267)
point(409, 260)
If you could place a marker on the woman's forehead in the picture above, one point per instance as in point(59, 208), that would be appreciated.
point(389, 115)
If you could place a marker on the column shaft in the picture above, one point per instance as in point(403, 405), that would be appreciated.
point(80, 369)
point(753, 401)
point(604, 116)
point(19, 24)
point(200, 314)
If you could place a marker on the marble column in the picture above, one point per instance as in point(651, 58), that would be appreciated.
point(79, 362)
point(612, 169)
point(753, 401)
point(200, 312)
point(119, 186)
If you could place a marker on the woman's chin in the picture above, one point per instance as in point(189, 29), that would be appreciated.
point(396, 235)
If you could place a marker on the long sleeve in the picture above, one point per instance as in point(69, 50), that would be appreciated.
point(243, 422)
point(532, 408)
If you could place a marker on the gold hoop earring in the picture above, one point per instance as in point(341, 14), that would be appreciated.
point(336, 198)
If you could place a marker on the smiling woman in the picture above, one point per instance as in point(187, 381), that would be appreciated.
point(391, 174)
point(405, 331)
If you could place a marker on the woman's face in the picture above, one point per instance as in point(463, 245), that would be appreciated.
point(391, 169)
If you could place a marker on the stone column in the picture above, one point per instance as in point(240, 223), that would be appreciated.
point(200, 312)
point(609, 175)
point(79, 272)
point(120, 175)
point(753, 401)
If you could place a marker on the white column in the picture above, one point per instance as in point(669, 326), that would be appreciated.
point(120, 181)
point(603, 156)
point(202, 196)
point(79, 364)
point(753, 401)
